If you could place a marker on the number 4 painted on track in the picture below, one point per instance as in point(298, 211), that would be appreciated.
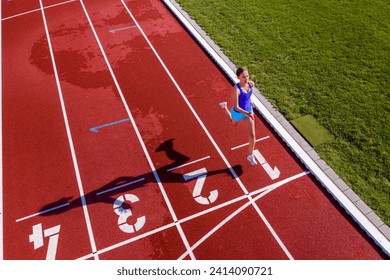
point(273, 173)
point(201, 174)
point(37, 238)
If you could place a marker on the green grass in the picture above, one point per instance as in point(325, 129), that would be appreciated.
point(313, 132)
point(326, 58)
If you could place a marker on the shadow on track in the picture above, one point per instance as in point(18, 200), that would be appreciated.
point(108, 193)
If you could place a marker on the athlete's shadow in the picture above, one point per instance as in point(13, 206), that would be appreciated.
point(110, 191)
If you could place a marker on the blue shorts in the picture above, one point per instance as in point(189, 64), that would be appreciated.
point(237, 116)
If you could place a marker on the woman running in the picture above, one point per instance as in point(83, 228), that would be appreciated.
point(242, 108)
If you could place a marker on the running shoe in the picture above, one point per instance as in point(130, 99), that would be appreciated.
point(223, 105)
point(252, 159)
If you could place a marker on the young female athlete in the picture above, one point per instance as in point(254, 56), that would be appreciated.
point(242, 108)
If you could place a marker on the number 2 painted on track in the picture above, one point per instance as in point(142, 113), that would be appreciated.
point(126, 213)
point(201, 174)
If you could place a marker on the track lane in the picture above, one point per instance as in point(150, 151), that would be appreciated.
point(314, 229)
point(165, 109)
point(198, 83)
point(172, 139)
point(110, 159)
point(169, 137)
point(36, 155)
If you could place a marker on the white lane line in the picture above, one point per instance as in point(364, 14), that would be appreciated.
point(211, 232)
point(149, 159)
point(186, 100)
point(135, 238)
point(1, 123)
point(43, 212)
point(246, 144)
point(1, 145)
point(121, 186)
point(204, 128)
point(37, 10)
point(188, 163)
point(146, 234)
point(280, 183)
point(261, 193)
point(69, 134)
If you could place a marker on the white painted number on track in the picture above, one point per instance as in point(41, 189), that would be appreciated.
point(37, 238)
point(273, 173)
point(126, 213)
point(201, 174)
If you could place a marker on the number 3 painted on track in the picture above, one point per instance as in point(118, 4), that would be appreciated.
point(201, 174)
point(126, 213)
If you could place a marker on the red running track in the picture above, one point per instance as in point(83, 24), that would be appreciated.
point(114, 147)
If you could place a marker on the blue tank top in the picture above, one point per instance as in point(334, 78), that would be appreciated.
point(244, 100)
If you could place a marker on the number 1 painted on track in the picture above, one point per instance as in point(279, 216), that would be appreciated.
point(201, 174)
point(273, 173)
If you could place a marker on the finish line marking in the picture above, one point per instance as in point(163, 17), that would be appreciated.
point(95, 129)
point(259, 194)
point(122, 28)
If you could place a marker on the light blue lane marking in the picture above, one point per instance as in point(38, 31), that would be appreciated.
point(123, 28)
point(121, 186)
point(95, 129)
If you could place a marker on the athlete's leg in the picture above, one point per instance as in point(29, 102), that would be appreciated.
point(252, 138)
point(224, 107)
